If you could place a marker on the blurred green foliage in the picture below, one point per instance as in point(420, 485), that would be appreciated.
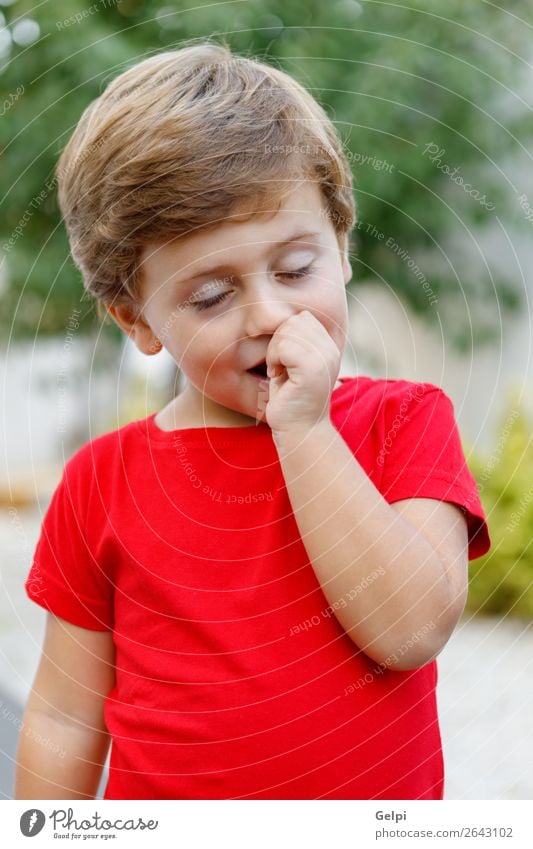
point(394, 78)
point(502, 580)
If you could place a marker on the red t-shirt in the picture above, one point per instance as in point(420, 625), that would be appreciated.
point(234, 679)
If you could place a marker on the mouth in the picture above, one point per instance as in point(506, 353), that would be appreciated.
point(259, 371)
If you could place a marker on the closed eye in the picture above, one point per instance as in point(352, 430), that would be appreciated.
point(301, 272)
point(292, 275)
point(202, 305)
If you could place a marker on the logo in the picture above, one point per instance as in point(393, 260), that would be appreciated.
point(32, 822)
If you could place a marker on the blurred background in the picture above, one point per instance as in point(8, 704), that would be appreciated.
point(433, 103)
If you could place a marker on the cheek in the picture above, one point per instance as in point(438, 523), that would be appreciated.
point(205, 350)
point(335, 318)
point(331, 309)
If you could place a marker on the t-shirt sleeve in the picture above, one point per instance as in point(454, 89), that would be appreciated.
point(422, 457)
point(65, 577)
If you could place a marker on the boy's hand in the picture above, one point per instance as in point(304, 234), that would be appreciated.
point(303, 363)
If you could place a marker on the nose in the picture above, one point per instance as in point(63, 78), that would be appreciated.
point(265, 309)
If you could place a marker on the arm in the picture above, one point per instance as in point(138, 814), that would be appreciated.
point(64, 742)
point(418, 548)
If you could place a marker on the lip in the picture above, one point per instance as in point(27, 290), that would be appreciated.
point(259, 377)
point(258, 363)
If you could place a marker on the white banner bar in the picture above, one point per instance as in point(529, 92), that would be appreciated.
point(253, 824)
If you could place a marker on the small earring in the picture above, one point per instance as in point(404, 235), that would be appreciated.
point(156, 346)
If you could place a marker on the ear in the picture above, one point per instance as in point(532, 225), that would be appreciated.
point(131, 321)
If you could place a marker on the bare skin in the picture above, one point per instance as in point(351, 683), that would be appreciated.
point(64, 742)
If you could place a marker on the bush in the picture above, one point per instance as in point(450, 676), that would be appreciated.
point(502, 580)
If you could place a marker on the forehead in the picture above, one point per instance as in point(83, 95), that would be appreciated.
point(302, 209)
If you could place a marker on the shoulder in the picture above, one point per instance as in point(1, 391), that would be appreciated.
point(381, 398)
point(388, 421)
point(101, 454)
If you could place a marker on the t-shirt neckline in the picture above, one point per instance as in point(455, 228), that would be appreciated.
point(212, 432)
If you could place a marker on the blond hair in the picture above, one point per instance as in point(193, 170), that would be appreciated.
point(180, 141)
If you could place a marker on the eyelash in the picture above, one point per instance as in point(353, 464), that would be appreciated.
point(294, 275)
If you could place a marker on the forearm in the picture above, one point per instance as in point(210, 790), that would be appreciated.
point(350, 534)
point(58, 760)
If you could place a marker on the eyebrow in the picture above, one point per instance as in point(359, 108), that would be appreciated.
point(211, 269)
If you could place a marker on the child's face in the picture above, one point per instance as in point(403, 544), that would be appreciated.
point(215, 299)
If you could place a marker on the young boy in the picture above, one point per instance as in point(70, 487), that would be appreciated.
point(247, 590)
